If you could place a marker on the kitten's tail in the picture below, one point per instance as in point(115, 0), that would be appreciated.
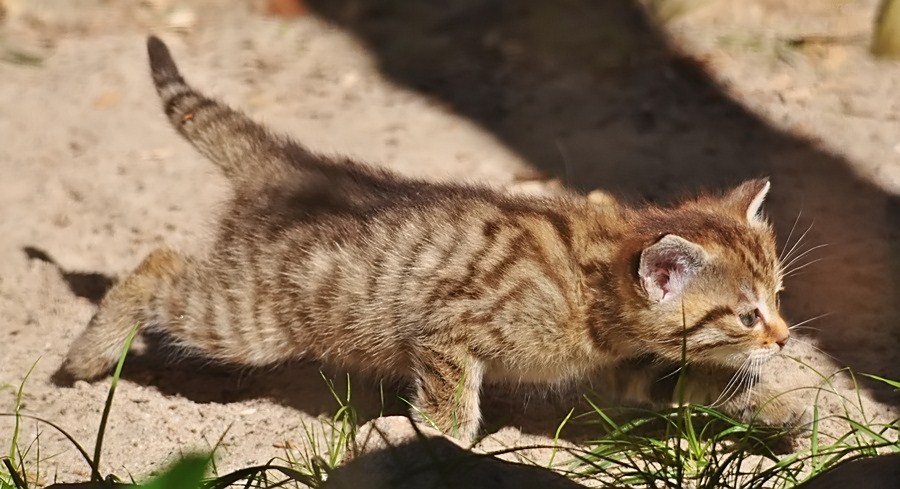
point(242, 148)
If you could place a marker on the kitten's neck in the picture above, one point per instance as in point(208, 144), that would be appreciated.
point(606, 250)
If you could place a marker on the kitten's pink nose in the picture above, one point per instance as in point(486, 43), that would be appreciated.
point(780, 333)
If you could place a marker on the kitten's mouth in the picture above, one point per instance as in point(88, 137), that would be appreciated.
point(757, 356)
point(763, 355)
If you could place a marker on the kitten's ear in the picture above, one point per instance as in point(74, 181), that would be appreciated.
point(748, 198)
point(668, 265)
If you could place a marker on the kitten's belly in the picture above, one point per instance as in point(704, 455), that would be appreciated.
point(501, 373)
point(539, 372)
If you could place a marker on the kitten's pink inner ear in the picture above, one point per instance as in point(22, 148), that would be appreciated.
point(668, 266)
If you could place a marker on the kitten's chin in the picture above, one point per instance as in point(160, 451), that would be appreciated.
point(763, 355)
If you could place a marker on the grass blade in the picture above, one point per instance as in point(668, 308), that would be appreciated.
point(17, 479)
point(98, 447)
point(64, 433)
point(877, 436)
point(556, 437)
point(13, 446)
point(893, 383)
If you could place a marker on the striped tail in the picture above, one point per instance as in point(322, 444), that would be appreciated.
point(243, 149)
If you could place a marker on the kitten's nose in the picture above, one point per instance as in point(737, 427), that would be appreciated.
point(782, 341)
point(780, 333)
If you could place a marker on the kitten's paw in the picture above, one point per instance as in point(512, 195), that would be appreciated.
point(124, 308)
point(75, 369)
point(784, 410)
point(84, 362)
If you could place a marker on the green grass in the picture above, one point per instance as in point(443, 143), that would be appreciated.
point(12, 478)
point(689, 445)
point(700, 447)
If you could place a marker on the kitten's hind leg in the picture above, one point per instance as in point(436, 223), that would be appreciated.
point(130, 303)
point(448, 389)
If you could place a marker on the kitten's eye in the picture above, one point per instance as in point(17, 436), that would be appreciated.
point(749, 319)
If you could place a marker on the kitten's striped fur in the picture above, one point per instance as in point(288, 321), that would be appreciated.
point(449, 285)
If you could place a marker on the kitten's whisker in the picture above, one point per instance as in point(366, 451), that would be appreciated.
point(800, 274)
point(795, 245)
point(670, 373)
point(744, 389)
point(801, 255)
point(736, 388)
point(753, 380)
point(799, 240)
point(728, 394)
point(724, 396)
point(801, 328)
point(790, 234)
point(732, 387)
point(807, 321)
point(801, 267)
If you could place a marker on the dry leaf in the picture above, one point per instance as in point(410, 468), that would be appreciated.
point(287, 8)
point(107, 99)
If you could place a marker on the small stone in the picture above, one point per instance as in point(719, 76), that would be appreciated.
point(350, 79)
point(107, 99)
point(182, 19)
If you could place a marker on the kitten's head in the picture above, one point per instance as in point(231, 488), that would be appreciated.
point(710, 275)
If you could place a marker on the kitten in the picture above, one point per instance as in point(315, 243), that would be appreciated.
point(452, 286)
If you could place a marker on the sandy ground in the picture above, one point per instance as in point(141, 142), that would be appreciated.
point(594, 93)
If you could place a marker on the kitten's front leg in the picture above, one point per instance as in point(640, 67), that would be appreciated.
point(763, 400)
point(129, 304)
point(448, 390)
point(766, 400)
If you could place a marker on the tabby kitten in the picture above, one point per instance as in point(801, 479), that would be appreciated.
point(449, 285)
